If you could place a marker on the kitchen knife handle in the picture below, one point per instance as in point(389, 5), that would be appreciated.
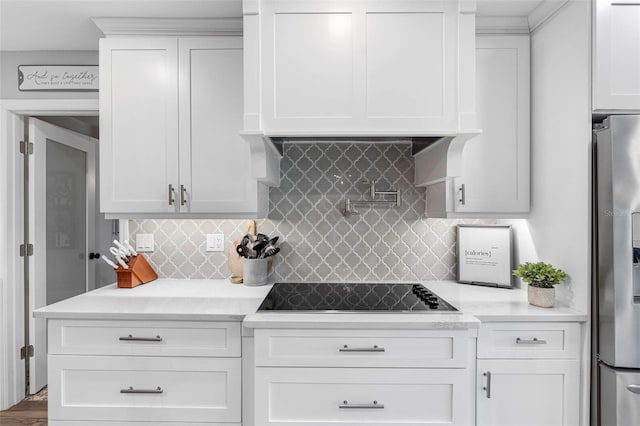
point(171, 195)
point(183, 195)
point(534, 341)
point(634, 388)
point(487, 388)
point(375, 404)
point(375, 348)
point(157, 390)
point(130, 338)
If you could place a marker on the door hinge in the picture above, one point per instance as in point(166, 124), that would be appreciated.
point(26, 146)
point(26, 250)
point(26, 352)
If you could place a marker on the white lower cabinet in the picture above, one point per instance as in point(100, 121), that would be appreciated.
point(528, 392)
point(364, 377)
point(528, 374)
point(123, 372)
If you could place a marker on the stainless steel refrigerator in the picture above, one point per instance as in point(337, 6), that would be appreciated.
point(617, 255)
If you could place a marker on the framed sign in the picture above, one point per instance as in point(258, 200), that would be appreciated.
point(485, 255)
point(58, 78)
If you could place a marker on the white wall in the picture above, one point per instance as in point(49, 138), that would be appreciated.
point(558, 230)
point(9, 61)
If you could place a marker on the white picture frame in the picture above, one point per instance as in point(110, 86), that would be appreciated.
point(485, 255)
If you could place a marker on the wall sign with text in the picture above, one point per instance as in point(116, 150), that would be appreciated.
point(485, 255)
point(58, 78)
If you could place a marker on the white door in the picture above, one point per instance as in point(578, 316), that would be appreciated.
point(62, 199)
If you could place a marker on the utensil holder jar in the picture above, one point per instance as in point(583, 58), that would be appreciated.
point(254, 271)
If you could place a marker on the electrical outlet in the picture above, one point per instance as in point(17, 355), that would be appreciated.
point(144, 242)
point(215, 242)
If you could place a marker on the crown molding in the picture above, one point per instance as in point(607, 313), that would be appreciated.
point(169, 26)
point(502, 25)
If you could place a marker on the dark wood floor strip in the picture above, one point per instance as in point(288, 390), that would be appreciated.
point(26, 413)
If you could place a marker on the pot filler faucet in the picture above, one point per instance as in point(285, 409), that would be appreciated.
point(349, 204)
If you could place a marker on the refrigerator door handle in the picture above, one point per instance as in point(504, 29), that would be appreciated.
point(634, 388)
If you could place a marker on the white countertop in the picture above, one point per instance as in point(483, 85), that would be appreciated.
point(219, 300)
point(162, 299)
point(499, 304)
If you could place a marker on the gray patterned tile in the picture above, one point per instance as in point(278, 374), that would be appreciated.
point(317, 242)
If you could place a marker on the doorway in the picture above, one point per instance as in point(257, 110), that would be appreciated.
point(65, 226)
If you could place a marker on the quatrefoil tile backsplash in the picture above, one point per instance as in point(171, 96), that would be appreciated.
point(317, 242)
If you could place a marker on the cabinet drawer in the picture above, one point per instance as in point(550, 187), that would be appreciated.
point(529, 340)
point(361, 348)
point(150, 338)
point(362, 396)
point(144, 389)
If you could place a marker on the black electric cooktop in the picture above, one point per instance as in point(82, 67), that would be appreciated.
point(353, 297)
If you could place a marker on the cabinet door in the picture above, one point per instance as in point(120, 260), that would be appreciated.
point(616, 60)
point(528, 392)
point(340, 67)
point(215, 174)
point(138, 124)
point(495, 164)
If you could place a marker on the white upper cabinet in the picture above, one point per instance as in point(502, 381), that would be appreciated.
point(495, 164)
point(359, 68)
point(493, 168)
point(170, 117)
point(616, 56)
point(138, 124)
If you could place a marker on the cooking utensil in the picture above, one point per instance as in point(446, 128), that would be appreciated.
point(262, 237)
point(241, 250)
point(122, 248)
point(109, 262)
point(118, 253)
point(271, 251)
point(257, 249)
point(128, 246)
point(122, 263)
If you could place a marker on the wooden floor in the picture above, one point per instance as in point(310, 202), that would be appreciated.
point(26, 413)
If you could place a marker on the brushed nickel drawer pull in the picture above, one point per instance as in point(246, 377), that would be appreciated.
point(345, 404)
point(534, 341)
point(487, 388)
point(375, 348)
point(157, 390)
point(634, 388)
point(130, 338)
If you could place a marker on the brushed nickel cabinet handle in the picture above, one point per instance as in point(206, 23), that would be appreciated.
point(130, 338)
point(534, 341)
point(634, 388)
point(375, 405)
point(375, 348)
point(487, 388)
point(171, 195)
point(156, 391)
point(462, 195)
point(183, 195)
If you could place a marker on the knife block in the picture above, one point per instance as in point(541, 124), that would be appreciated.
point(139, 272)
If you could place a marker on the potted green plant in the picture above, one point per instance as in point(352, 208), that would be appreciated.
point(541, 278)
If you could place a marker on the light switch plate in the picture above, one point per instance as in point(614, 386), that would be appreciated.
point(215, 242)
point(144, 242)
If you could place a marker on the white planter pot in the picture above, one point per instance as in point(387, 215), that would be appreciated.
point(542, 297)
